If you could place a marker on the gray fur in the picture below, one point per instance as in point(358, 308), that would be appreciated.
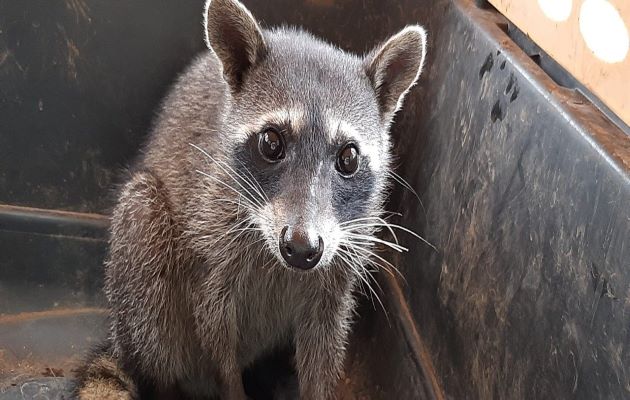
point(194, 279)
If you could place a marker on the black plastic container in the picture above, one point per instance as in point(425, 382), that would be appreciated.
point(524, 188)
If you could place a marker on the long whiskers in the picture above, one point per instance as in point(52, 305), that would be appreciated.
point(350, 226)
point(406, 185)
point(250, 196)
point(368, 256)
point(359, 270)
point(358, 246)
point(250, 190)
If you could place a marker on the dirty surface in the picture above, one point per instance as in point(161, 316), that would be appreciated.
point(524, 186)
point(39, 352)
point(526, 195)
point(46, 343)
point(80, 81)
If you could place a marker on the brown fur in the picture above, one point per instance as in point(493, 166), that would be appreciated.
point(102, 379)
point(193, 299)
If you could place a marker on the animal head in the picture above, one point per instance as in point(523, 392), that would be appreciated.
point(308, 132)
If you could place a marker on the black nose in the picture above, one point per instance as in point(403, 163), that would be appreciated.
point(300, 250)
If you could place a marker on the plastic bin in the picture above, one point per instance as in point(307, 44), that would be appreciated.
point(524, 188)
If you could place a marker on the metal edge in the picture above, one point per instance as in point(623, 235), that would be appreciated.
point(53, 222)
point(413, 338)
point(605, 137)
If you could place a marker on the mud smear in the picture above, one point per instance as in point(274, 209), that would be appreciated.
point(486, 66)
point(68, 312)
point(497, 112)
point(321, 3)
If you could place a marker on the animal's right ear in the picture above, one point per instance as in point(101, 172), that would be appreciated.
point(236, 38)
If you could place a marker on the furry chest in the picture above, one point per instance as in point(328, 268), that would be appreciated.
point(267, 312)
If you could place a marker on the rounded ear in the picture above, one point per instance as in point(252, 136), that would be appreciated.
point(235, 37)
point(394, 67)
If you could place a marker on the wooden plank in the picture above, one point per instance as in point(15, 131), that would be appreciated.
point(589, 38)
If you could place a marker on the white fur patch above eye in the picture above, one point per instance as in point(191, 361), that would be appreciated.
point(293, 116)
point(340, 128)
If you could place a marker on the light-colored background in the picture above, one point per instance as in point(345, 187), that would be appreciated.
point(586, 38)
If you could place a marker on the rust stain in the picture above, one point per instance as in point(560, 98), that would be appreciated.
point(15, 371)
point(88, 217)
point(321, 3)
point(7, 55)
point(65, 312)
point(73, 54)
point(53, 372)
point(80, 9)
point(356, 384)
point(415, 340)
point(4, 56)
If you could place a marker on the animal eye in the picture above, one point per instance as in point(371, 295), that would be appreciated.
point(348, 160)
point(271, 145)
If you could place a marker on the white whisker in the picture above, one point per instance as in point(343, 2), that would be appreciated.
point(359, 270)
point(407, 186)
point(374, 239)
point(393, 226)
point(214, 178)
point(255, 181)
point(367, 254)
point(362, 277)
point(349, 225)
point(223, 166)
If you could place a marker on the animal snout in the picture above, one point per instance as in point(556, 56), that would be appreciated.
point(299, 248)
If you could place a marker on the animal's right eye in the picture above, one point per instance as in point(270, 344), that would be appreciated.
point(271, 145)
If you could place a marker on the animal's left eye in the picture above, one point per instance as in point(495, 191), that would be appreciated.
point(348, 160)
point(271, 145)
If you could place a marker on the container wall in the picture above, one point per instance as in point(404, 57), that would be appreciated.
point(523, 188)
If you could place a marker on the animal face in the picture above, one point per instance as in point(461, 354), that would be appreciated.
point(309, 124)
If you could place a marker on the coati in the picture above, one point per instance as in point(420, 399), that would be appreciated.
point(250, 216)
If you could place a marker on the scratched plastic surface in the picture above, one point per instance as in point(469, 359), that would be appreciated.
point(39, 389)
point(524, 186)
point(40, 351)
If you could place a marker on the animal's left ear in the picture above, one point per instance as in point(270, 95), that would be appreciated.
point(394, 67)
point(236, 38)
